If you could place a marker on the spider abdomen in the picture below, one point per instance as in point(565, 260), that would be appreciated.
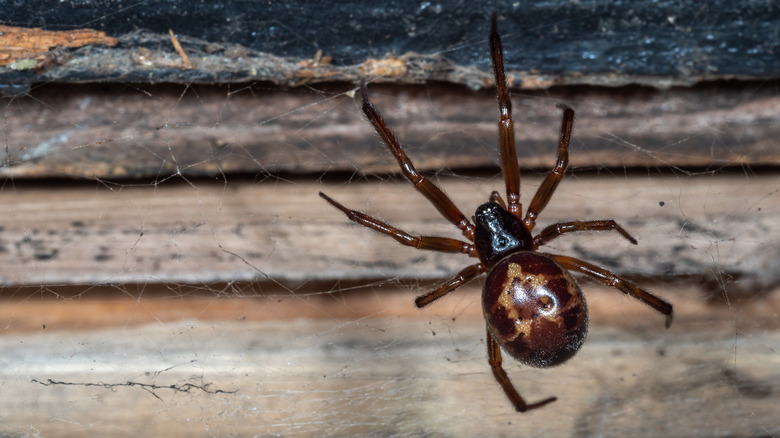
point(534, 309)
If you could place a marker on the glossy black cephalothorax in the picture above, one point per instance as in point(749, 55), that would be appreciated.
point(498, 233)
point(533, 308)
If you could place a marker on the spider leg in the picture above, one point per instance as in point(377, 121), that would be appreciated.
point(463, 277)
point(546, 190)
point(430, 190)
point(608, 278)
point(496, 197)
point(506, 127)
point(432, 243)
point(494, 358)
point(551, 232)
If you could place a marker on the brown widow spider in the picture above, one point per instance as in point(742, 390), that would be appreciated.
point(533, 308)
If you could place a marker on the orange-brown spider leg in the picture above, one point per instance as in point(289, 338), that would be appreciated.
point(463, 277)
point(551, 232)
point(496, 197)
point(546, 190)
point(430, 190)
point(494, 358)
point(432, 243)
point(608, 278)
point(506, 127)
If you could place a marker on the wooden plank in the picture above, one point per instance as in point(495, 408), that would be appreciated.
point(598, 42)
point(721, 229)
point(153, 133)
point(368, 363)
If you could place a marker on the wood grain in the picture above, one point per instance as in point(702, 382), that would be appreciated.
point(596, 43)
point(329, 363)
point(248, 308)
point(35, 44)
point(153, 133)
point(717, 228)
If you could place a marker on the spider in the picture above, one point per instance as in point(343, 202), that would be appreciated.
point(533, 308)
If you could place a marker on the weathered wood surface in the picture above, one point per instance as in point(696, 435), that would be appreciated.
point(165, 349)
point(171, 297)
point(35, 45)
point(597, 42)
point(365, 362)
point(152, 133)
point(116, 291)
point(713, 228)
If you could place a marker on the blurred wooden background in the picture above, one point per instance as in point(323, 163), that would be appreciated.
point(169, 269)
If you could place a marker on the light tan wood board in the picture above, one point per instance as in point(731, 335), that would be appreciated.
point(367, 363)
point(720, 228)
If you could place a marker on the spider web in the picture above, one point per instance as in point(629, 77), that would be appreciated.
point(208, 290)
